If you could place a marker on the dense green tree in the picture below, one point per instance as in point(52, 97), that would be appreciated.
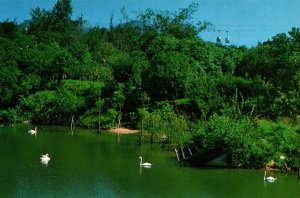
point(118, 99)
point(50, 107)
point(163, 121)
point(57, 20)
point(126, 36)
point(169, 68)
point(176, 23)
point(9, 74)
point(51, 62)
point(276, 63)
point(8, 29)
point(95, 39)
point(202, 91)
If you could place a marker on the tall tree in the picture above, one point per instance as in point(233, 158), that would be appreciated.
point(176, 23)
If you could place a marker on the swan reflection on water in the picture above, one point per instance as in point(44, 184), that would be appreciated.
point(44, 163)
point(268, 179)
point(142, 167)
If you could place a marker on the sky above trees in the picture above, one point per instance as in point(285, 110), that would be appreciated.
point(247, 21)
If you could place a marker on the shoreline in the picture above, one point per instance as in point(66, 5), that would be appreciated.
point(123, 130)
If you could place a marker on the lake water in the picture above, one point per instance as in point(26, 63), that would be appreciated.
point(87, 164)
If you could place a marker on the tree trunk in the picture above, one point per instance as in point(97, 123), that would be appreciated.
point(99, 123)
point(72, 124)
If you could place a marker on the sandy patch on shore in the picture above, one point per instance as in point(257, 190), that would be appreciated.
point(123, 130)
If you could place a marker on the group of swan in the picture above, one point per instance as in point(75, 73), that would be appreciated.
point(145, 164)
point(33, 132)
point(269, 179)
point(44, 158)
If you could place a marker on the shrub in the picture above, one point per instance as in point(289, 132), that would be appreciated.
point(91, 118)
point(248, 145)
point(50, 107)
point(9, 115)
point(275, 139)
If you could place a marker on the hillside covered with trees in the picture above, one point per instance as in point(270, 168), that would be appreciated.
point(155, 74)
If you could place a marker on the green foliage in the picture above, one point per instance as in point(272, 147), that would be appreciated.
point(8, 29)
point(154, 73)
point(277, 139)
point(94, 109)
point(50, 61)
point(58, 19)
point(91, 118)
point(9, 115)
point(50, 107)
point(81, 87)
point(29, 84)
point(202, 90)
point(164, 121)
point(9, 74)
point(175, 23)
point(285, 104)
point(246, 145)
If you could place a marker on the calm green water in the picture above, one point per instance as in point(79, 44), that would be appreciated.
point(87, 164)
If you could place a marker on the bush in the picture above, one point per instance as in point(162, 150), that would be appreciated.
point(91, 118)
point(9, 115)
point(275, 139)
point(50, 107)
point(246, 145)
point(228, 135)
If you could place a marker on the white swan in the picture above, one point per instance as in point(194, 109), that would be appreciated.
point(269, 179)
point(145, 164)
point(33, 132)
point(45, 158)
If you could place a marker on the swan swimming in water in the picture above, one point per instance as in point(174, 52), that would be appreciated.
point(33, 132)
point(145, 164)
point(269, 179)
point(45, 158)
